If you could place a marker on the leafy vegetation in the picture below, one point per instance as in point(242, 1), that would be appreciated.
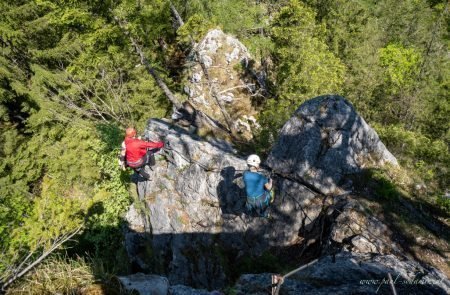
point(70, 82)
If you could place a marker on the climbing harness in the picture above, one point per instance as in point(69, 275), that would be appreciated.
point(260, 204)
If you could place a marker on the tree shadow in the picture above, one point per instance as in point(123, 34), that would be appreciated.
point(111, 134)
point(404, 215)
point(209, 263)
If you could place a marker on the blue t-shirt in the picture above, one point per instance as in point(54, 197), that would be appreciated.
point(254, 183)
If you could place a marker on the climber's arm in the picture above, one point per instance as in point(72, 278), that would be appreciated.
point(268, 185)
point(152, 145)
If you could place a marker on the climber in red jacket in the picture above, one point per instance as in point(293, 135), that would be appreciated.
point(137, 152)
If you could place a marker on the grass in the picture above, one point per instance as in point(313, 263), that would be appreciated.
point(443, 202)
point(63, 275)
point(56, 275)
point(418, 222)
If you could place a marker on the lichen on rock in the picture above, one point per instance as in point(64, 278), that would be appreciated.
point(219, 74)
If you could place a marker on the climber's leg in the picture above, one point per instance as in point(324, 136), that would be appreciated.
point(141, 171)
point(250, 205)
point(141, 168)
point(264, 202)
point(260, 205)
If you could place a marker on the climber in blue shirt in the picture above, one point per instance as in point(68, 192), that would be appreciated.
point(258, 188)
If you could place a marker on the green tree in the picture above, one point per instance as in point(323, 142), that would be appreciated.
point(401, 70)
point(65, 69)
point(304, 66)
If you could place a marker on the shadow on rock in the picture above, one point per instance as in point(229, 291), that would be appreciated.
point(231, 195)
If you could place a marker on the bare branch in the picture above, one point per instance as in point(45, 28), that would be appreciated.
point(178, 20)
point(147, 65)
point(21, 269)
point(237, 87)
point(205, 119)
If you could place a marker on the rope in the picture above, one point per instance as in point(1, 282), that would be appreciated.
point(277, 281)
point(391, 283)
point(308, 186)
point(272, 171)
point(300, 180)
point(191, 161)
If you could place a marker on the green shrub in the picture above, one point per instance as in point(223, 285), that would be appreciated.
point(385, 188)
point(429, 159)
point(444, 203)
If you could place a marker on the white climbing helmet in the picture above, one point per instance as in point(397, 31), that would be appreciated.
point(253, 160)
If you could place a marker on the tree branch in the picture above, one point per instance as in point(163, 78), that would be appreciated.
point(147, 65)
point(178, 20)
point(22, 270)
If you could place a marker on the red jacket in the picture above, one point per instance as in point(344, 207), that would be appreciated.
point(137, 148)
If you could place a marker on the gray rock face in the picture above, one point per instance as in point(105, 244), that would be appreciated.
point(185, 290)
point(190, 224)
point(192, 213)
point(368, 234)
point(352, 273)
point(226, 61)
point(195, 204)
point(324, 141)
point(145, 284)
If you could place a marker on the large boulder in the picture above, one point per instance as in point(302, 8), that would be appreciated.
point(220, 76)
point(145, 284)
point(352, 273)
point(190, 222)
point(324, 141)
point(343, 273)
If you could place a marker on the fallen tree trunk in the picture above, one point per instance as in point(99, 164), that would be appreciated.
point(172, 98)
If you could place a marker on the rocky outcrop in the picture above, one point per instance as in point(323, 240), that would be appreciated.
point(145, 284)
point(221, 82)
point(190, 225)
point(352, 273)
point(324, 141)
point(344, 273)
point(185, 290)
point(195, 206)
point(156, 285)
